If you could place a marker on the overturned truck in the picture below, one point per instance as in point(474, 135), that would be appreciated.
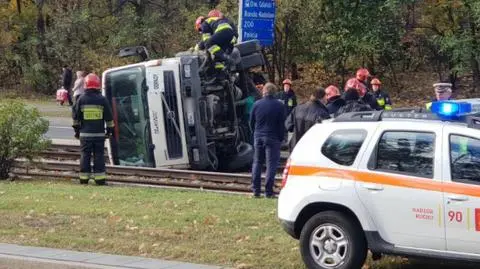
point(170, 113)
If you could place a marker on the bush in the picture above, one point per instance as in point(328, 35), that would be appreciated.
point(21, 134)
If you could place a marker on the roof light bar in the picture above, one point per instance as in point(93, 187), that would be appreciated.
point(451, 109)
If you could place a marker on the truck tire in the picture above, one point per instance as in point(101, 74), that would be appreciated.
point(253, 60)
point(249, 47)
point(330, 239)
point(243, 159)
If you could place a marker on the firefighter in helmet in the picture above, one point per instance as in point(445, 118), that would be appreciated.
point(218, 38)
point(383, 99)
point(90, 114)
point(360, 82)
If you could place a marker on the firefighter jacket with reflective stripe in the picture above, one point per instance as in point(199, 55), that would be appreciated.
point(90, 115)
point(214, 25)
point(383, 100)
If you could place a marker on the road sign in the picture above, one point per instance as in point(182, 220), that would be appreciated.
point(257, 21)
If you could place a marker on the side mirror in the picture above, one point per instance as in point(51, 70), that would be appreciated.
point(139, 51)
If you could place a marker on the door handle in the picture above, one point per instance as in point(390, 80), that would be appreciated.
point(373, 187)
point(458, 198)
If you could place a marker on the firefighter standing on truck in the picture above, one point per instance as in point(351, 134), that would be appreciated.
point(218, 37)
point(90, 114)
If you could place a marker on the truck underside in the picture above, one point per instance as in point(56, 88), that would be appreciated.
point(172, 113)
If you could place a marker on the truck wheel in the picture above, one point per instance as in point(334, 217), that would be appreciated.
point(243, 159)
point(330, 240)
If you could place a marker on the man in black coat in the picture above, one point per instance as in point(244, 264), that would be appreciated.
point(67, 81)
point(304, 116)
point(334, 99)
point(353, 103)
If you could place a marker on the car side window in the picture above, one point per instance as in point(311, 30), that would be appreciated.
point(465, 159)
point(410, 153)
point(342, 146)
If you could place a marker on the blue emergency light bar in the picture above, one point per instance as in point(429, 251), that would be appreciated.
point(452, 109)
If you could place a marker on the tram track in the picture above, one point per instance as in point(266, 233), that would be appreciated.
point(62, 162)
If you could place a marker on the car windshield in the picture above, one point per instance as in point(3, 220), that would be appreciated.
point(127, 91)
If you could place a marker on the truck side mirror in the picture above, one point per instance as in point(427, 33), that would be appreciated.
point(140, 51)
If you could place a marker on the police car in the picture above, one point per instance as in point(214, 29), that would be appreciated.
point(403, 182)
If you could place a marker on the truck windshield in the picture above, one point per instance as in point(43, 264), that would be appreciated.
point(126, 90)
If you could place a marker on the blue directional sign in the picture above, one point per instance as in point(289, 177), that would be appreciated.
point(257, 21)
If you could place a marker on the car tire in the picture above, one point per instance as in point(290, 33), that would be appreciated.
point(335, 240)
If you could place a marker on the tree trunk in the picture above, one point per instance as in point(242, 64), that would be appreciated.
point(19, 6)
point(41, 48)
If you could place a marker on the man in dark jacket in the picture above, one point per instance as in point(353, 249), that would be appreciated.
point(353, 103)
point(288, 96)
point(304, 116)
point(67, 82)
point(334, 100)
point(90, 114)
point(383, 99)
point(267, 122)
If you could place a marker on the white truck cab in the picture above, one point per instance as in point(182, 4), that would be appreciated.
point(168, 113)
point(392, 182)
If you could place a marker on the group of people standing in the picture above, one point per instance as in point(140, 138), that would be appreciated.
point(276, 114)
point(76, 87)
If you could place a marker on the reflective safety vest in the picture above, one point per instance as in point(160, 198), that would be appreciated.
point(90, 115)
point(381, 103)
point(428, 106)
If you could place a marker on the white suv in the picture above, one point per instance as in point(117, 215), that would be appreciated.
point(394, 182)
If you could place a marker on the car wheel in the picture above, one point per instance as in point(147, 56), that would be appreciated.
point(332, 240)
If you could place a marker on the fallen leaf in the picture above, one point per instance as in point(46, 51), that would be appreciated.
point(71, 197)
point(2, 192)
point(141, 247)
point(146, 217)
point(243, 266)
point(155, 245)
point(101, 240)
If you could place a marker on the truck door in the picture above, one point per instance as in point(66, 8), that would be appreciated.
point(462, 189)
point(166, 114)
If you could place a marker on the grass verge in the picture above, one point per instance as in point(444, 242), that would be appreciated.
point(191, 226)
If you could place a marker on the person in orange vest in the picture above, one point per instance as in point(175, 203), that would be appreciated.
point(383, 99)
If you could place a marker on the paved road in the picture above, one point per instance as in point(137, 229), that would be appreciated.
point(60, 128)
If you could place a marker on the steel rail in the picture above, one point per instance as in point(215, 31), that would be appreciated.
point(237, 178)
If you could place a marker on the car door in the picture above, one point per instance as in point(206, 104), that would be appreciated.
point(462, 189)
point(400, 184)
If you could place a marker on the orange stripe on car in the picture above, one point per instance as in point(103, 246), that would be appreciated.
point(393, 180)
